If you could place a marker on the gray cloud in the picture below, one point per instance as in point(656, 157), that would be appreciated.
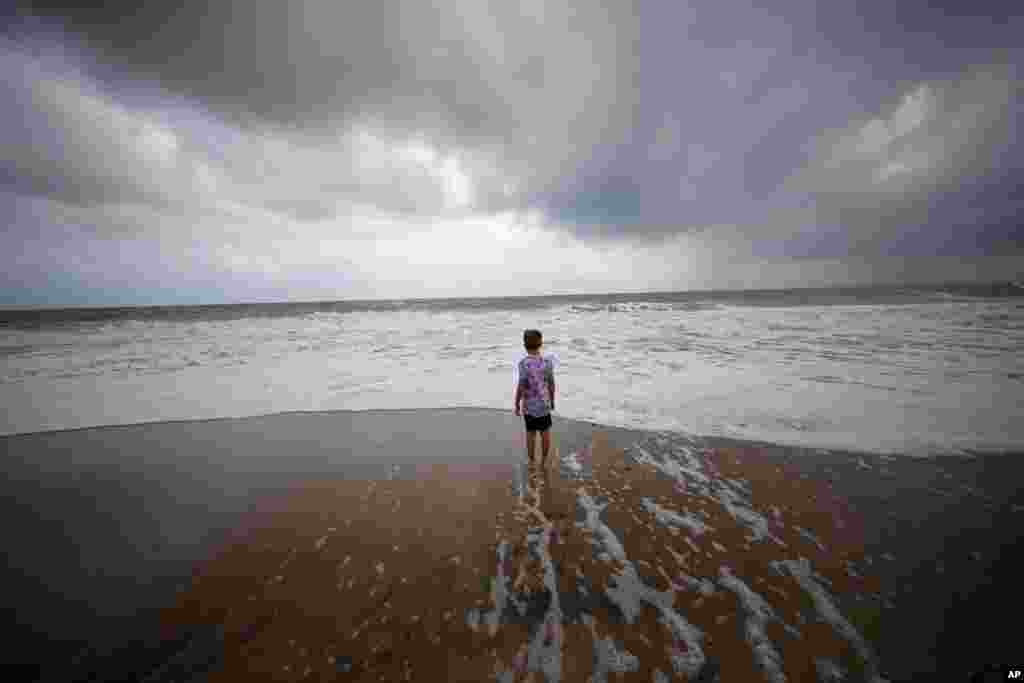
point(77, 146)
point(529, 90)
point(892, 171)
point(278, 136)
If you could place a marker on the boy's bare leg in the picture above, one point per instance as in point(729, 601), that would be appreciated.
point(545, 443)
point(531, 444)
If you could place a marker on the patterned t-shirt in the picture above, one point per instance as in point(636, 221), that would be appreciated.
point(535, 375)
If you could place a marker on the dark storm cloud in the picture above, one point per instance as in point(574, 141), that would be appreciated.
point(788, 129)
point(531, 88)
point(801, 83)
point(68, 141)
point(923, 171)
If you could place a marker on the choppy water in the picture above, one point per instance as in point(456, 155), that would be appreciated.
point(890, 369)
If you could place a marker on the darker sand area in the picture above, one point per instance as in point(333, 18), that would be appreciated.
point(415, 545)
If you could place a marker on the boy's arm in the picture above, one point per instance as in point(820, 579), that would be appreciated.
point(551, 388)
point(519, 387)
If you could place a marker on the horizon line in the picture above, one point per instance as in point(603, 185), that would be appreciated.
point(862, 285)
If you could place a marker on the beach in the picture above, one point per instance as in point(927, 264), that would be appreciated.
point(418, 545)
point(277, 277)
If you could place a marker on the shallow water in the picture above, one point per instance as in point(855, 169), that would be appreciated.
point(897, 371)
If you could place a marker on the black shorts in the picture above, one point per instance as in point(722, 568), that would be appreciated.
point(538, 424)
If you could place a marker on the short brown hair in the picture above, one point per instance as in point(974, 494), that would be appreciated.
point(532, 339)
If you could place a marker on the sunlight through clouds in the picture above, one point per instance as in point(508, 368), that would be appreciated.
point(893, 168)
point(568, 143)
point(457, 185)
point(159, 143)
point(878, 134)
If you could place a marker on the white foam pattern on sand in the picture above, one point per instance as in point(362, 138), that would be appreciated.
point(609, 657)
point(676, 457)
point(672, 518)
point(545, 650)
point(828, 612)
point(575, 466)
point(682, 465)
point(810, 537)
point(625, 589)
point(629, 593)
point(758, 613)
point(740, 510)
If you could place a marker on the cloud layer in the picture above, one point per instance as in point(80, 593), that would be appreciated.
point(501, 148)
point(895, 171)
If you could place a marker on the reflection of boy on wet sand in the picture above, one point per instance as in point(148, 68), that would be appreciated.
point(536, 389)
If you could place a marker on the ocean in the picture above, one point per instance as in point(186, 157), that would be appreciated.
point(912, 370)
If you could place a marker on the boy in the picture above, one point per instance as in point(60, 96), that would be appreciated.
point(535, 387)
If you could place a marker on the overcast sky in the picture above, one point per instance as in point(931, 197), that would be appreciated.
point(233, 150)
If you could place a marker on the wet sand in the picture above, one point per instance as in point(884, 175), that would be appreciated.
point(417, 545)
